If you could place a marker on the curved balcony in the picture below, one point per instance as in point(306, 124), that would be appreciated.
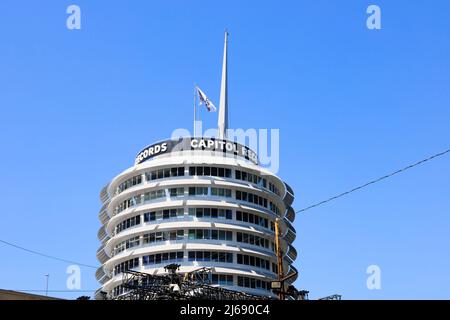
point(101, 234)
point(292, 252)
point(288, 198)
point(292, 270)
point(103, 213)
point(290, 214)
point(104, 194)
point(101, 255)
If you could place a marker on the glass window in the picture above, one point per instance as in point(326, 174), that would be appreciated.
point(172, 256)
point(180, 255)
point(206, 256)
point(207, 171)
point(199, 171)
point(192, 171)
point(214, 171)
point(181, 171)
point(191, 255)
point(199, 255)
point(166, 173)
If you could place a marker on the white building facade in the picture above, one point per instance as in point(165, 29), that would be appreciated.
point(196, 208)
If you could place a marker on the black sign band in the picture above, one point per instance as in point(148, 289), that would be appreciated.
point(193, 144)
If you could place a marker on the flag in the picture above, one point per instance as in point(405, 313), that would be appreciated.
point(204, 100)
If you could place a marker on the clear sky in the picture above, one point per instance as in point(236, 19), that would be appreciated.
point(351, 104)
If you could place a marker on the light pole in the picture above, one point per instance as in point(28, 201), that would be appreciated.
point(46, 283)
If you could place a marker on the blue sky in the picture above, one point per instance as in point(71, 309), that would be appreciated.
point(351, 104)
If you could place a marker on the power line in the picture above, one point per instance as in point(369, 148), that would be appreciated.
point(373, 181)
point(54, 291)
point(46, 255)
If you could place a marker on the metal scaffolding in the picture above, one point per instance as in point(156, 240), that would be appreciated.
point(195, 285)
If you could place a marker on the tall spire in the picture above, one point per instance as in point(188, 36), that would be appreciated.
point(223, 106)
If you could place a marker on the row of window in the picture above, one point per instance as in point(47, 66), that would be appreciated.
point(164, 173)
point(166, 257)
point(163, 236)
point(128, 223)
point(252, 198)
point(250, 177)
point(211, 213)
point(163, 214)
point(274, 189)
point(254, 219)
point(254, 240)
point(222, 279)
point(214, 256)
point(128, 244)
point(198, 171)
point(210, 171)
point(253, 261)
point(174, 256)
point(210, 234)
point(194, 234)
point(197, 191)
point(129, 183)
point(221, 192)
point(253, 283)
point(126, 265)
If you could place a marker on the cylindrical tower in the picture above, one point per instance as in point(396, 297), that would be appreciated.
point(197, 202)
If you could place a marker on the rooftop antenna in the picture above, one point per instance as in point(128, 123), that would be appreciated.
point(223, 106)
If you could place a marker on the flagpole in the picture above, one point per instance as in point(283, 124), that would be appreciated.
point(195, 107)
